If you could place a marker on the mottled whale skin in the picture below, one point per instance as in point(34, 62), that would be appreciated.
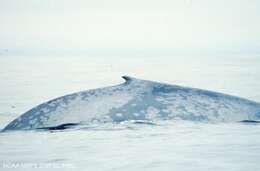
point(137, 99)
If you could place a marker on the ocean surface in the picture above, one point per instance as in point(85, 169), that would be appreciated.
point(164, 145)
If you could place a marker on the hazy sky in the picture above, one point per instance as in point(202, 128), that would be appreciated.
point(183, 25)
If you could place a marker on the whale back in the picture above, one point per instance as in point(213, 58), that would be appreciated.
point(137, 99)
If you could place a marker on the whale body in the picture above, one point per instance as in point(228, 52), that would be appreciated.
point(137, 99)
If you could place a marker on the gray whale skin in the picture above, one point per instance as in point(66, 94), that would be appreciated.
point(137, 99)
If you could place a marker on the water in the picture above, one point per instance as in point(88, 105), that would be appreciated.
point(164, 145)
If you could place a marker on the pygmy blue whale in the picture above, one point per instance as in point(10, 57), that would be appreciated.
point(137, 99)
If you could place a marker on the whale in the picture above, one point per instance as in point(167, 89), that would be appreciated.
point(137, 100)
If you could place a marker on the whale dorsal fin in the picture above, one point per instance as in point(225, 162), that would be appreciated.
point(128, 79)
